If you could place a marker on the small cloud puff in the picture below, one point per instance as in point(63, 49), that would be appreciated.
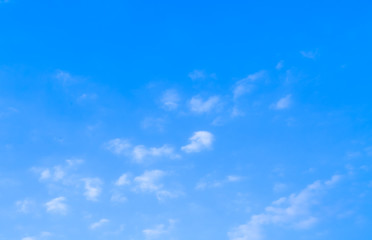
point(283, 103)
point(199, 141)
point(92, 188)
point(123, 180)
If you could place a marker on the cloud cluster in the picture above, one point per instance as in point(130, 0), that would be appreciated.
point(199, 141)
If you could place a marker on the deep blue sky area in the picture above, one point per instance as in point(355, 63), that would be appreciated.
point(236, 120)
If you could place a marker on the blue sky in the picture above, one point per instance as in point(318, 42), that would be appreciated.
point(239, 120)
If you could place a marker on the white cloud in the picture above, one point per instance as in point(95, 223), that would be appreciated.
point(198, 105)
point(233, 178)
point(24, 206)
point(279, 187)
point(40, 236)
point(159, 230)
point(199, 141)
point(92, 188)
point(309, 54)
point(149, 182)
point(118, 145)
point(153, 123)
point(140, 152)
point(118, 197)
point(74, 162)
point(28, 238)
point(368, 151)
point(64, 76)
point(57, 205)
point(99, 223)
point(203, 184)
point(155, 232)
point(279, 65)
point(58, 173)
point(197, 74)
point(123, 180)
point(45, 234)
point(45, 174)
point(245, 85)
point(283, 103)
point(86, 97)
point(170, 99)
point(294, 211)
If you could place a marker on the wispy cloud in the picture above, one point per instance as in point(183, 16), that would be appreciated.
point(153, 123)
point(42, 235)
point(205, 183)
point(118, 145)
point(24, 206)
point(140, 152)
point(309, 54)
point(283, 103)
point(170, 99)
point(57, 205)
point(123, 180)
point(159, 231)
point(279, 65)
point(150, 182)
point(198, 105)
point(199, 141)
point(246, 85)
point(197, 74)
point(294, 210)
point(99, 224)
point(57, 173)
point(28, 238)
